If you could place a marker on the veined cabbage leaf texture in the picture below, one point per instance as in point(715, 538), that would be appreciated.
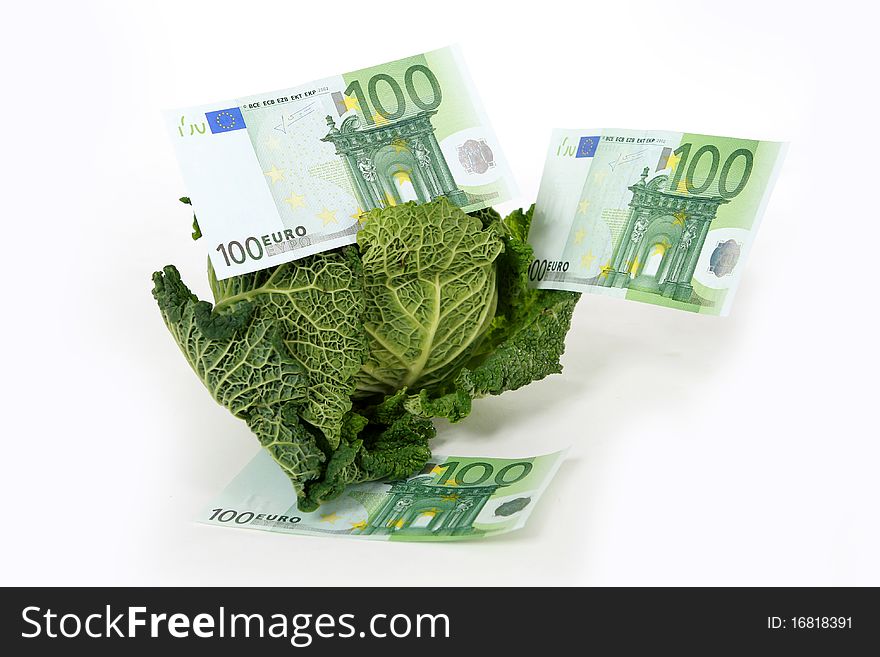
point(431, 293)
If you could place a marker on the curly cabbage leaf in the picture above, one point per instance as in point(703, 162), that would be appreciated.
point(431, 293)
point(525, 339)
point(317, 307)
point(239, 356)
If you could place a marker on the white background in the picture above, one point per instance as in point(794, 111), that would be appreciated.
point(704, 451)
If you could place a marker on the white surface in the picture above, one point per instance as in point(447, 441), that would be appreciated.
point(704, 451)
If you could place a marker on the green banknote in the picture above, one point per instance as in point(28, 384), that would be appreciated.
point(453, 498)
point(278, 176)
point(661, 217)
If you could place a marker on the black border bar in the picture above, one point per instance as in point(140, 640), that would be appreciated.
point(504, 621)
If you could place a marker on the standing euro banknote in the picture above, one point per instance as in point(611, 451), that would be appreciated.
point(661, 217)
point(282, 175)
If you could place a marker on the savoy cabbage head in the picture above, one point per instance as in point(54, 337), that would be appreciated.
point(339, 361)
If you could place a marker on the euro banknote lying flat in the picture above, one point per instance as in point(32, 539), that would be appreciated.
point(661, 217)
point(453, 498)
point(281, 175)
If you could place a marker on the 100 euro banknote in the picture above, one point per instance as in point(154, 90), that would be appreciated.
point(281, 175)
point(453, 498)
point(661, 217)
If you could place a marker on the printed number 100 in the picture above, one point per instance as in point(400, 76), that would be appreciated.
point(724, 188)
point(355, 89)
point(509, 474)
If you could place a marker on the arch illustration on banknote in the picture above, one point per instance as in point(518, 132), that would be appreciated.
point(419, 506)
point(661, 243)
point(394, 162)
